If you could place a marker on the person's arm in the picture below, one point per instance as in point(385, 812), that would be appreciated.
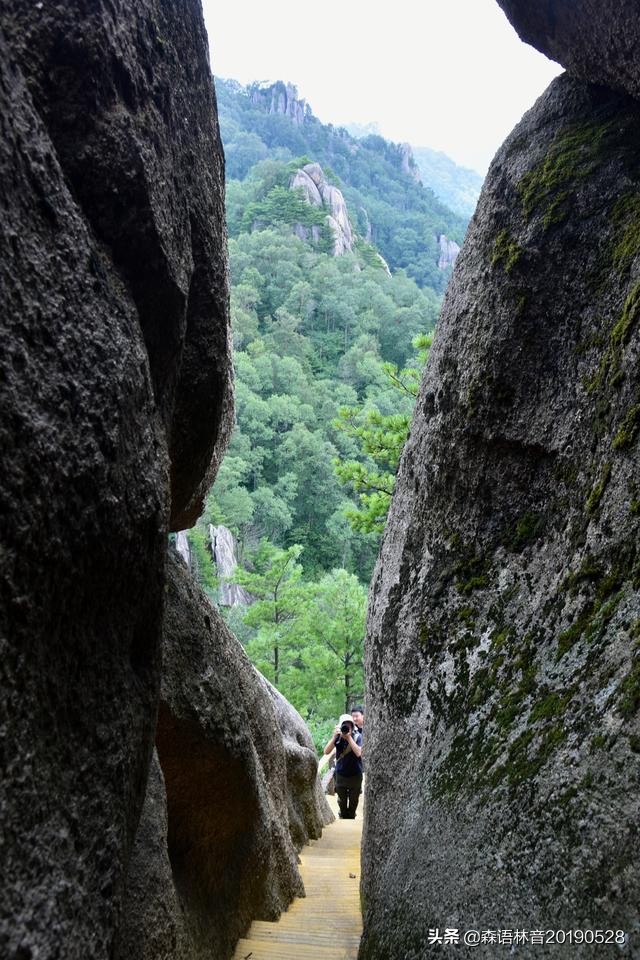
point(357, 750)
point(332, 742)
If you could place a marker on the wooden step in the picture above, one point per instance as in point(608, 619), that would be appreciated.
point(326, 924)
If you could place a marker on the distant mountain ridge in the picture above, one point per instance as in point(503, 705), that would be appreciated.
point(389, 206)
point(458, 187)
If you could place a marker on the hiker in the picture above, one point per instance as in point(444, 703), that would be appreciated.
point(357, 715)
point(347, 741)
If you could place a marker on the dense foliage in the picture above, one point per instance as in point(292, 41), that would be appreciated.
point(327, 358)
point(402, 218)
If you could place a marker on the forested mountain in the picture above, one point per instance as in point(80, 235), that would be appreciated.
point(333, 252)
point(458, 187)
point(379, 179)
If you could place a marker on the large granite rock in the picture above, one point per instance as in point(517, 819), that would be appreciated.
point(595, 40)
point(153, 923)
point(126, 95)
point(318, 192)
point(84, 501)
point(503, 648)
point(308, 809)
point(236, 761)
point(115, 344)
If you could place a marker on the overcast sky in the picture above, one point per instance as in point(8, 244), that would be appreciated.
point(451, 74)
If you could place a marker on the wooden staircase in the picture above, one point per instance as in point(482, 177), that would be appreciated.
point(327, 923)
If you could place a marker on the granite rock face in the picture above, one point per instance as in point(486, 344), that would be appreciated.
point(449, 250)
point(595, 40)
point(113, 289)
point(84, 501)
point(153, 923)
point(503, 648)
point(308, 809)
point(318, 192)
point(237, 762)
point(125, 93)
point(281, 98)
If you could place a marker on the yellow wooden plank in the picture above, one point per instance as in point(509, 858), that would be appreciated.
point(325, 924)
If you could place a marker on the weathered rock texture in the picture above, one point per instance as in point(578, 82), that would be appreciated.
point(223, 549)
point(308, 809)
point(281, 98)
point(449, 250)
point(595, 40)
point(237, 762)
point(113, 290)
point(503, 651)
point(153, 924)
point(125, 93)
point(320, 193)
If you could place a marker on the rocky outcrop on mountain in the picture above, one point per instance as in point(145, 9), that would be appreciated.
point(281, 98)
point(503, 648)
point(241, 788)
point(595, 40)
point(408, 163)
point(183, 548)
point(449, 250)
point(320, 193)
point(115, 360)
point(223, 549)
point(142, 131)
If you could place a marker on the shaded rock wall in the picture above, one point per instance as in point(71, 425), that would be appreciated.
point(503, 647)
point(115, 391)
point(241, 791)
point(127, 99)
point(596, 40)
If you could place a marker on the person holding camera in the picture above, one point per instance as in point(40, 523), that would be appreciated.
point(347, 742)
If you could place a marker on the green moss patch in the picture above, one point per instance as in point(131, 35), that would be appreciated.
point(573, 155)
point(628, 430)
point(626, 217)
point(506, 251)
point(609, 372)
point(594, 498)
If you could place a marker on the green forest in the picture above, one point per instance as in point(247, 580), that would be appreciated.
point(328, 353)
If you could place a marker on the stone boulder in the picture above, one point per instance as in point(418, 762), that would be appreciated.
point(595, 40)
point(115, 342)
point(236, 760)
point(126, 95)
point(503, 641)
point(84, 502)
point(153, 924)
point(308, 809)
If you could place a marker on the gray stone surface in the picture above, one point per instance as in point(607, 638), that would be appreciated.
point(232, 755)
point(503, 646)
point(153, 923)
point(83, 489)
point(595, 40)
point(115, 356)
point(308, 809)
point(126, 95)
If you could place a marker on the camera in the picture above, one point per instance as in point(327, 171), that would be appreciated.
point(345, 728)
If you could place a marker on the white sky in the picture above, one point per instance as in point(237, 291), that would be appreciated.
point(450, 74)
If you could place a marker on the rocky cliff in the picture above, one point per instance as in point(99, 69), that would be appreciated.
point(223, 549)
point(115, 388)
point(317, 191)
point(281, 98)
point(503, 646)
point(449, 250)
